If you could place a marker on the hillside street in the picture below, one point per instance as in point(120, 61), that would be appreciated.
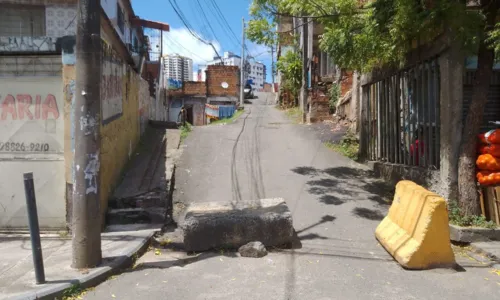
point(336, 206)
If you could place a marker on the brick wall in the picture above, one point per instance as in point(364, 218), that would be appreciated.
point(216, 75)
point(195, 88)
point(346, 83)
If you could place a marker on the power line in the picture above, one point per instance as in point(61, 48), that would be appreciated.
point(199, 21)
point(181, 16)
point(206, 19)
point(213, 10)
point(221, 16)
point(180, 45)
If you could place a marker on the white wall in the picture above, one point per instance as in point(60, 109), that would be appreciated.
point(32, 140)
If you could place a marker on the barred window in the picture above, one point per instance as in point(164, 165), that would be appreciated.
point(22, 20)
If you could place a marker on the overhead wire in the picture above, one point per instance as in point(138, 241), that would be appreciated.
point(207, 22)
point(225, 30)
point(221, 15)
point(180, 45)
point(182, 17)
point(199, 21)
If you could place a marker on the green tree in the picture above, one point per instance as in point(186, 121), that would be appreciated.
point(290, 66)
point(365, 34)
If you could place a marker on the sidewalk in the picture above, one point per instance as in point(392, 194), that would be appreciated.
point(120, 247)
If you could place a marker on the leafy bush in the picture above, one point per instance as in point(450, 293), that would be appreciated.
point(290, 66)
point(348, 146)
point(334, 93)
point(458, 218)
point(185, 130)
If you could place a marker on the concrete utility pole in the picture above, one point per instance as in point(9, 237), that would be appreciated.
point(242, 64)
point(272, 64)
point(86, 205)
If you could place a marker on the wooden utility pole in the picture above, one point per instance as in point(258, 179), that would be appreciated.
point(86, 225)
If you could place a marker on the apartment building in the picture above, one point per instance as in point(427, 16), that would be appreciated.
point(178, 67)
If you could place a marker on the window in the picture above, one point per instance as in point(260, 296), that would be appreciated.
point(136, 44)
point(22, 20)
point(120, 18)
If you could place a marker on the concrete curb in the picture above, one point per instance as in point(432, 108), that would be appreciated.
point(92, 279)
point(486, 253)
point(473, 234)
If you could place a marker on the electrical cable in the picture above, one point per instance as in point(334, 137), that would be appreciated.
point(181, 16)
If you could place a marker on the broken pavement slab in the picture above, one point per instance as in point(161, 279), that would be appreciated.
point(231, 225)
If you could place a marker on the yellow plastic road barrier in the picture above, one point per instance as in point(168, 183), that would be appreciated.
point(416, 231)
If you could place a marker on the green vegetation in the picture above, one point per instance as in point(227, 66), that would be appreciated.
point(74, 292)
point(290, 66)
point(295, 114)
point(458, 218)
point(235, 116)
point(185, 130)
point(334, 92)
point(63, 234)
point(348, 146)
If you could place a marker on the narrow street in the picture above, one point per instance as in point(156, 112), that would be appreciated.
point(336, 205)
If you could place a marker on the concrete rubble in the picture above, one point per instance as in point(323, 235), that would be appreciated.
point(253, 249)
point(212, 225)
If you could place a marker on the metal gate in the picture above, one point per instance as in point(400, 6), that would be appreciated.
point(403, 117)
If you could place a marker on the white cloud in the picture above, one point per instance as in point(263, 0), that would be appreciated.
point(180, 41)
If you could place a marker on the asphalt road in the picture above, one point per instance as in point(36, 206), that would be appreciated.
point(336, 206)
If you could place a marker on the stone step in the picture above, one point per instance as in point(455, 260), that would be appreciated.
point(151, 215)
point(151, 199)
point(231, 225)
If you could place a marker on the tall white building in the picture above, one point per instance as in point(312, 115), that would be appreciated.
point(178, 67)
point(256, 71)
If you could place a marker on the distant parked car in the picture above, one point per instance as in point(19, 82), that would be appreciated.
point(248, 92)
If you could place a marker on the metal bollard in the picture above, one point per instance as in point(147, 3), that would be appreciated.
point(36, 245)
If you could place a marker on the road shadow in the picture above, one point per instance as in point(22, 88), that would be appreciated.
point(338, 185)
point(366, 213)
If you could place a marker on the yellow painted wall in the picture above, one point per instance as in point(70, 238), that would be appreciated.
point(119, 139)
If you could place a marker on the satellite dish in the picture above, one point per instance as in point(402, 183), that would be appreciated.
point(225, 85)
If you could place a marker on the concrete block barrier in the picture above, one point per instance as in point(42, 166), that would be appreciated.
point(212, 225)
point(416, 231)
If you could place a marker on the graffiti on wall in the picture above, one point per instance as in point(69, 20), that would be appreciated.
point(31, 119)
point(174, 84)
point(27, 44)
point(113, 71)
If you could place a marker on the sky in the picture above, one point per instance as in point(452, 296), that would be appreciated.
point(223, 37)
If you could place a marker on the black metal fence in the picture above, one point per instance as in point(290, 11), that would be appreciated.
point(403, 117)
